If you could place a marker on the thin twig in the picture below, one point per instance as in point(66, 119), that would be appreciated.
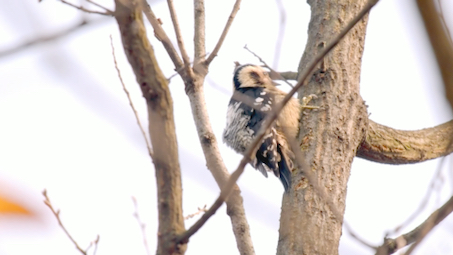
point(226, 190)
point(182, 48)
point(177, 71)
point(354, 235)
point(142, 226)
point(56, 213)
point(224, 33)
point(96, 242)
point(425, 199)
point(273, 72)
point(45, 39)
point(200, 211)
point(107, 13)
point(145, 137)
point(100, 6)
point(417, 234)
point(161, 35)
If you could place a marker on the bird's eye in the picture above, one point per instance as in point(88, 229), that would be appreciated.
point(255, 75)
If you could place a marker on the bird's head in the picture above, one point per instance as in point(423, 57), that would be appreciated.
point(250, 76)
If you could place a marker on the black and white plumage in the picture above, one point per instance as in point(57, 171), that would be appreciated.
point(254, 97)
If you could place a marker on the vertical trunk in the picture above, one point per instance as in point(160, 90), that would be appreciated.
point(329, 136)
point(154, 86)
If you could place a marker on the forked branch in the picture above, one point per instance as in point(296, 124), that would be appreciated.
point(224, 33)
point(269, 120)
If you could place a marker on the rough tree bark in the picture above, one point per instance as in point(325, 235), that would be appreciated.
point(330, 136)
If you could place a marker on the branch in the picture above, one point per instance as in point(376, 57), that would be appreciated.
point(224, 33)
point(268, 122)
point(286, 75)
point(215, 164)
point(106, 13)
point(155, 90)
point(182, 48)
point(141, 225)
point(440, 41)
point(161, 35)
point(200, 30)
point(148, 146)
point(44, 39)
point(98, 5)
point(56, 213)
point(214, 161)
point(386, 145)
point(416, 235)
point(273, 74)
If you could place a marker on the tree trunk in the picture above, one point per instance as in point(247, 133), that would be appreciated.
point(329, 137)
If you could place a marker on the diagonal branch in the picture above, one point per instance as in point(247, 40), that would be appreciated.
point(228, 187)
point(106, 13)
point(224, 33)
point(142, 130)
point(440, 41)
point(416, 235)
point(182, 48)
point(273, 74)
point(161, 35)
point(48, 38)
point(386, 145)
point(214, 161)
point(56, 213)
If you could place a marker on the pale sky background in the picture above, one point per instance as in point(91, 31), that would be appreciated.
point(66, 126)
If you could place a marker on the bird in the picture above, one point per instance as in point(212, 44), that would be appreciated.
point(254, 96)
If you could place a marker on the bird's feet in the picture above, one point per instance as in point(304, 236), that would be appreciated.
point(306, 100)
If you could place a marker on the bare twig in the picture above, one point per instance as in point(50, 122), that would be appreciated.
point(268, 122)
point(416, 235)
point(424, 201)
point(145, 137)
point(100, 6)
point(44, 39)
point(224, 33)
point(354, 235)
point(142, 226)
point(200, 210)
point(56, 213)
point(182, 48)
point(106, 13)
point(273, 72)
point(161, 35)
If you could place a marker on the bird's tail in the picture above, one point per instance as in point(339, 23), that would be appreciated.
point(285, 173)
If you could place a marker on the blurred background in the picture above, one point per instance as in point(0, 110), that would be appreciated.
point(66, 126)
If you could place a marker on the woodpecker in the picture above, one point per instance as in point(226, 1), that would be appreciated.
point(255, 95)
